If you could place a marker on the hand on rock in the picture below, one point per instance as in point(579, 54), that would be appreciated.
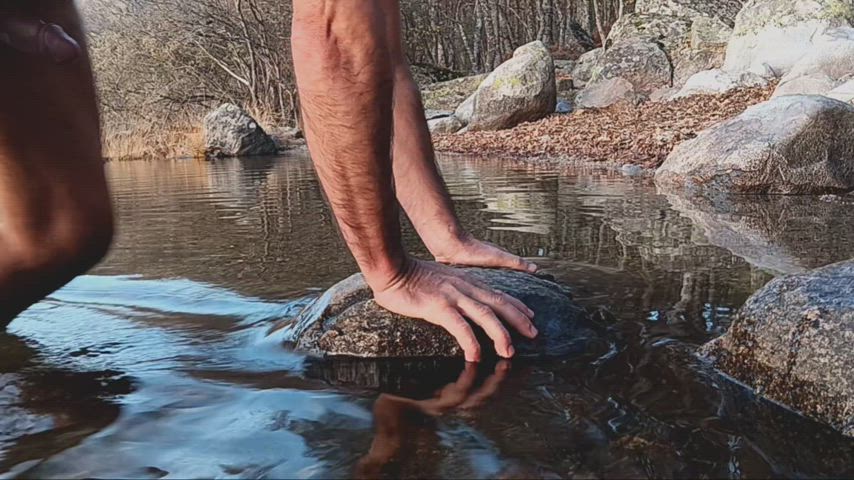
point(34, 36)
point(446, 296)
point(471, 252)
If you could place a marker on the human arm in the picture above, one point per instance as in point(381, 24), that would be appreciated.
point(345, 77)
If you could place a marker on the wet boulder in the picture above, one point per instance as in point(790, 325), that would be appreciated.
point(522, 89)
point(771, 36)
point(797, 144)
point(346, 322)
point(231, 132)
point(792, 343)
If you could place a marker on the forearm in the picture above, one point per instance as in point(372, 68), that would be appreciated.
point(421, 190)
point(344, 75)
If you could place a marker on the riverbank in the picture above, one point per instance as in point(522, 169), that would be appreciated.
point(635, 134)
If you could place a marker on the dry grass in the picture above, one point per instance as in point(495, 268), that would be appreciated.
point(153, 142)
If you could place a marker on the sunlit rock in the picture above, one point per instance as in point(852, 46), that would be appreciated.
point(771, 36)
point(790, 145)
point(522, 89)
point(231, 132)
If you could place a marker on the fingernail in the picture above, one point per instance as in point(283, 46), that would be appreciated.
point(532, 267)
point(510, 352)
point(59, 45)
point(534, 331)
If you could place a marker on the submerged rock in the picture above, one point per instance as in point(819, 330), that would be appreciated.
point(792, 343)
point(522, 89)
point(345, 321)
point(231, 132)
point(796, 144)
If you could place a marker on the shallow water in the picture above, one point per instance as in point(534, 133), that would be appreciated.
point(156, 365)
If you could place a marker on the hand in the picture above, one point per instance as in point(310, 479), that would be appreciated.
point(33, 36)
point(445, 296)
point(471, 252)
point(391, 413)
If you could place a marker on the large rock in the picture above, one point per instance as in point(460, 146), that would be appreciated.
point(792, 343)
point(771, 36)
point(521, 89)
point(345, 321)
point(723, 10)
point(448, 95)
point(446, 124)
point(844, 92)
point(692, 45)
point(826, 67)
point(670, 32)
point(231, 132)
point(586, 65)
point(641, 62)
point(789, 145)
point(717, 81)
point(606, 93)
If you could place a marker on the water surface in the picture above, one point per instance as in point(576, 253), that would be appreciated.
point(156, 364)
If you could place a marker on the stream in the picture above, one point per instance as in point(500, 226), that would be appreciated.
point(157, 364)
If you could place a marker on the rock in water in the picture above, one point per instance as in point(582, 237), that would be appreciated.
point(522, 89)
point(231, 132)
point(345, 321)
point(798, 144)
point(792, 342)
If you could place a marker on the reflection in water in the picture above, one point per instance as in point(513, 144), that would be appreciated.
point(157, 364)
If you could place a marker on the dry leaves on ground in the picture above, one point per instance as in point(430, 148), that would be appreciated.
point(643, 134)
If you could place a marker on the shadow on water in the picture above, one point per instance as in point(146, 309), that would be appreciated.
point(157, 363)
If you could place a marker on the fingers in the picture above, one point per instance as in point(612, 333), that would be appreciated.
point(33, 36)
point(456, 393)
point(457, 326)
point(489, 387)
point(484, 316)
point(510, 309)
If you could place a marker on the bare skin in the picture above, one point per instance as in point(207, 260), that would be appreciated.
point(420, 188)
point(393, 425)
point(350, 85)
point(55, 215)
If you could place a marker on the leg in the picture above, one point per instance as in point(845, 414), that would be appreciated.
point(55, 214)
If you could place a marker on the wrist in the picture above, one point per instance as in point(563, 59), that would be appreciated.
point(448, 243)
point(386, 273)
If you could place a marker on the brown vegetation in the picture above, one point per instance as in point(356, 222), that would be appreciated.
point(162, 64)
point(642, 135)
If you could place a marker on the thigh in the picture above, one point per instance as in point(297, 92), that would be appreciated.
point(50, 153)
point(394, 22)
